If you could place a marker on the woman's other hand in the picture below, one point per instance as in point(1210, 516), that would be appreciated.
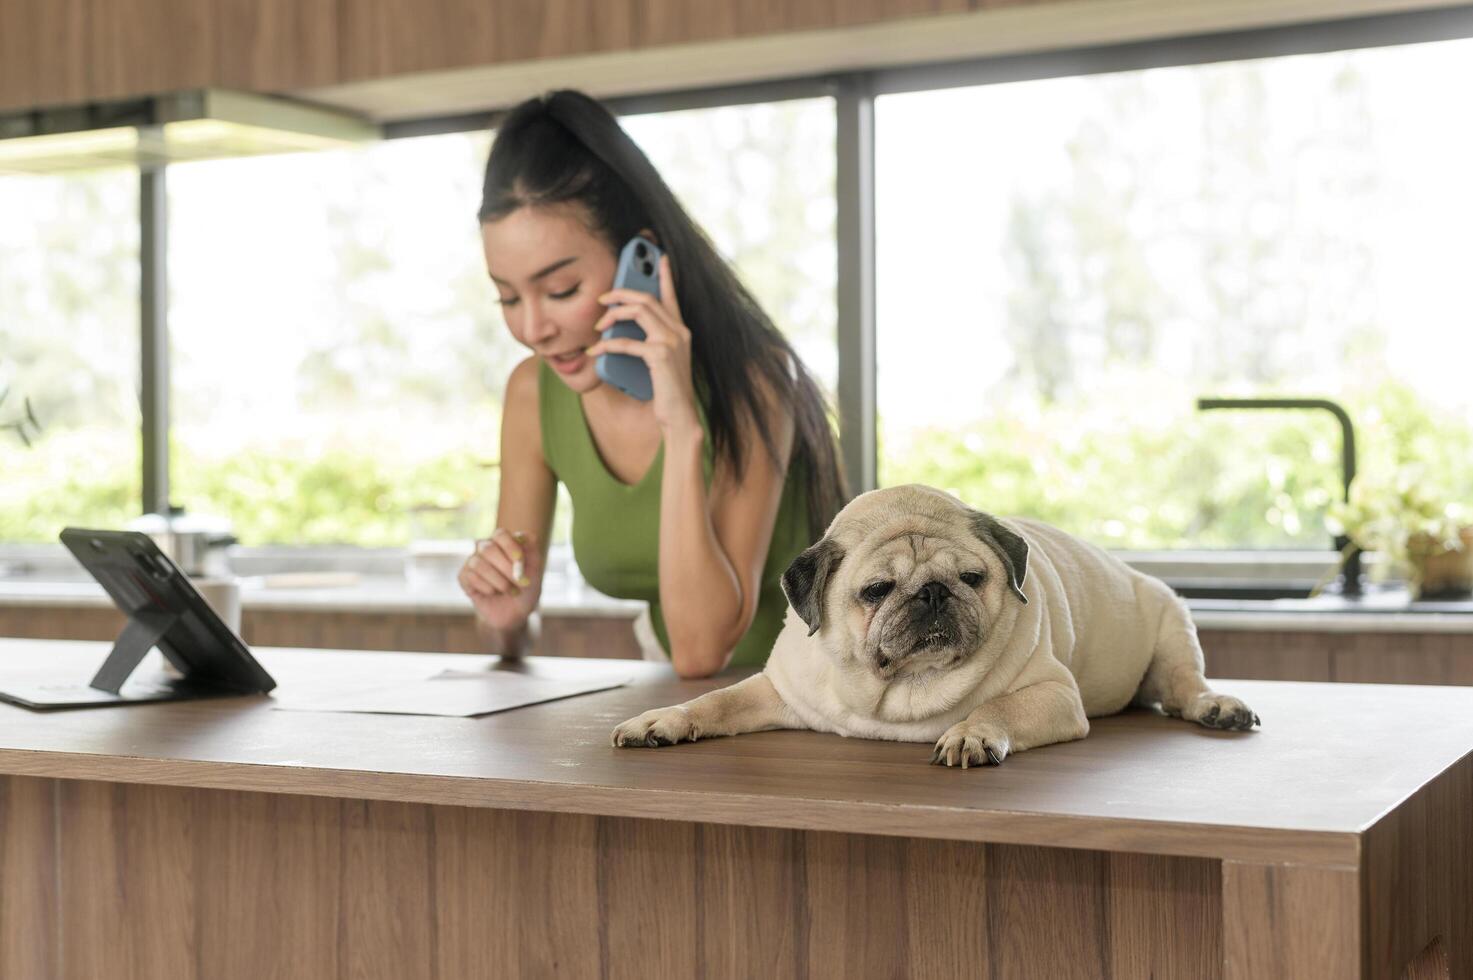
point(665, 349)
point(503, 578)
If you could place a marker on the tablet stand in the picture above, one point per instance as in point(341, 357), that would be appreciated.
point(144, 629)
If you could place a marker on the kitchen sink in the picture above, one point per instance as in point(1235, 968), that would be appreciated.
point(1245, 590)
point(1277, 597)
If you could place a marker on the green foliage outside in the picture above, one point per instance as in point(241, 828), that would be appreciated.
point(337, 498)
point(74, 476)
point(341, 497)
point(1223, 480)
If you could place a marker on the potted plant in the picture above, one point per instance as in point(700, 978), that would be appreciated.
point(1415, 528)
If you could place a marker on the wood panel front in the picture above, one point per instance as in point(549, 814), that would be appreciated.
point(393, 37)
point(1287, 922)
point(688, 21)
point(30, 936)
point(1289, 655)
point(161, 881)
point(1418, 872)
point(1433, 658)
point(1367, 657)
point(1154, 900)
point(274, 45)
point(389, 37)
point(19, 68)
point(1274, 655)
point(526, 30)
point(43, 52)
point(601, 637)
point(138, 47)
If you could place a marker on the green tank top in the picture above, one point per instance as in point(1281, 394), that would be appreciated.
point(616, 526)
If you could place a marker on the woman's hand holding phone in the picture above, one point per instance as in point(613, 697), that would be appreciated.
point(665, 350)
point(503, 578)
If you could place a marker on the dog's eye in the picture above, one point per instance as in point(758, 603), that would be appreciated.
point(972, 579)
point(876, 591)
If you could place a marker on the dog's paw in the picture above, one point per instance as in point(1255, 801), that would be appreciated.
point(968, 744)
point(1220, 711)
point(659, 726)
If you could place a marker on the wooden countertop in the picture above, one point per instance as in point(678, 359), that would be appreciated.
point(1330, 760)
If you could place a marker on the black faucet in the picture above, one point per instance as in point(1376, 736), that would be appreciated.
point(1350, 578)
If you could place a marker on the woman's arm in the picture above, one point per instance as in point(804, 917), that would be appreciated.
point(524, 512)
point(713, 546)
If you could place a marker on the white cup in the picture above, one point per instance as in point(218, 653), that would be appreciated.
point(223, 595)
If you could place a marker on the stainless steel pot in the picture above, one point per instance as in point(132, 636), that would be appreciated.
point(195, 542)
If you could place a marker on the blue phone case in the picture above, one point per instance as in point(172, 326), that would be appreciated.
point(639, 268)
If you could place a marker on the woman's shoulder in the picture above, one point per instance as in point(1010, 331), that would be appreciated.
point(522, 387)
point(521, 410)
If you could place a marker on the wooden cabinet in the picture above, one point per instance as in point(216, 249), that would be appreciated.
point(526, 29)
point(59, 52)
point(70, 51)
point(276, 45)
point(223, 839)
point(1360, 658)
point(62, 54)
point(686, 21)
point(392, 37)
point(137, 47)
point(1280, 655)
point(395, 37)
point(610, 636)
point(18, 32)
point(43, 52)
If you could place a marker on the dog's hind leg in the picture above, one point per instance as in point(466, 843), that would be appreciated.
point(1176, 681)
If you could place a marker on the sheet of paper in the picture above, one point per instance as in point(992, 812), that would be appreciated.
point(461, 694)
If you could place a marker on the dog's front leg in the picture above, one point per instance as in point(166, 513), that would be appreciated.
point(1039, 714)
point(752, 705)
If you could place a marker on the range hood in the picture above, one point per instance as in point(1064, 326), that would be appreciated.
point(200, 124)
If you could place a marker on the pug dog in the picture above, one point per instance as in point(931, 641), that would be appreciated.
point(919, 619)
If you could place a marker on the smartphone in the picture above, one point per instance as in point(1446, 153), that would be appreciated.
point(639, 268)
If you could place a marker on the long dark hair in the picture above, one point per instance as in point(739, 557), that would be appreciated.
point(566, 147)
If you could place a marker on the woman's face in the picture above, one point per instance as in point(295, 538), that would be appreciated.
point(549, 270)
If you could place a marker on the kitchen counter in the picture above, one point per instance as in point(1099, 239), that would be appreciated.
point(1391, 613)
point(392, 594)
point(376, 594)
point(221, 838)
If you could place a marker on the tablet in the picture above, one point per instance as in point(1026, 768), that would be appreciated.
point(164, 610)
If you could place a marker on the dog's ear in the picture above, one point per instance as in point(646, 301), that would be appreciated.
point(806, 577)
point(1008, 544)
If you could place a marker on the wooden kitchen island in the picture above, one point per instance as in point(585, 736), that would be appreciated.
point(224, 839)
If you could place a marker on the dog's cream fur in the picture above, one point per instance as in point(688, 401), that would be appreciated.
point(1093, 637)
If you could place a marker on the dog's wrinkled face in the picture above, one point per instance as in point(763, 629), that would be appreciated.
point(907, 580)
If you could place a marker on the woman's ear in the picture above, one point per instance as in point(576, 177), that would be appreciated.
point(650, 234)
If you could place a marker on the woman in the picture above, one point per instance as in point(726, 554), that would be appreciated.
point(695, 501)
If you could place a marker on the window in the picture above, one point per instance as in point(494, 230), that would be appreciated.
point(69, 344)
point(1074, 261)
point(337, 362)
point(760, 180)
